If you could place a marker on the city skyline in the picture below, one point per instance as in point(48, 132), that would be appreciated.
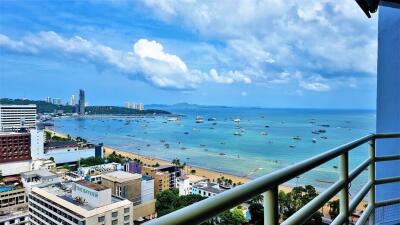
point(142, 51)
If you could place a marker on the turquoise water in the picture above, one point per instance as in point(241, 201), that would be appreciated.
point(216, 147)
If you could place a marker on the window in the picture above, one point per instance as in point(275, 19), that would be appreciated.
point(114, 214)
point(100, 219)
point(126, 218)
point(126, 210)
point(114, 222)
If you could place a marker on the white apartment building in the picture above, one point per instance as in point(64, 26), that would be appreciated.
point(80, 202)
point(147, 188)
point(207, 189)
point(39, 178)
point(14, 117)
point(186, 182)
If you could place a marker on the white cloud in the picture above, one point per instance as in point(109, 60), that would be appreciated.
point(148, 59)
point(243, 93)
point(268, 37)
point(314, 86)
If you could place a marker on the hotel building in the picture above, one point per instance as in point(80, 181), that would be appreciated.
point(80, 202)
point(16, 117)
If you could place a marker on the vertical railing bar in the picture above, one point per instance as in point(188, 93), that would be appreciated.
point(344, 193)
point(372, 180)
point(271, 216)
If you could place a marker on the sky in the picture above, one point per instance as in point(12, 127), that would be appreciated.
point(267, 53)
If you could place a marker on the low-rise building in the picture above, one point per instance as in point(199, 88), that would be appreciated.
point(93, 173)
point(39, 178)
point(13, 205)
point(161, 179)
point(207, 189)
point(186, 182)
point(124, 185)
point(80, 202)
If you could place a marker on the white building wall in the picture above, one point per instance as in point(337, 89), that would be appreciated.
point(184, 187)
point(14, 168)
point(147, 187)
point(388, 109)
point(66, 155)
point(37, 143)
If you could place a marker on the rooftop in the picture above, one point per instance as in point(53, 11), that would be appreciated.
point(210, 187)
point(93, 186)
point(39, 173)
point(192, 178)
point(121, 176)
point(13, 133)
point(60, 144)
point(62, 194)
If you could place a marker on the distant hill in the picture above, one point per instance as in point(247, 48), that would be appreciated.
point(45, 107)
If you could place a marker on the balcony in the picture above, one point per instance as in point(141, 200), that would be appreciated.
point(268, 186)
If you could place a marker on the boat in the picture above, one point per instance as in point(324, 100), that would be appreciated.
point(263, 133)
point(314, 140)
point(221, 153)
point(212, 119)
point(325, 125)
point(199, 119)
point(292, 146)
point(315, 132)
point(321, 131)
point(266, 126)
point(237, 120)
point(335, 167)
point(237, 134)
point(214, 124)
point(186, 132)
point(172, 118)
point(324, 137)
point(297, 138)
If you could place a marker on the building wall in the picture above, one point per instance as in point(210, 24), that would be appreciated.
point(10, 200)
point(15, 147)
point(130, 190)
point(147, 210)
point(37, 143)
point(147, 190)
point(14, 117)
point(388, 108)
point(14, 168)
point(67, 155)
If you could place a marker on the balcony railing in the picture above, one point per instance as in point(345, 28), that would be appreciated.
point(268, 186)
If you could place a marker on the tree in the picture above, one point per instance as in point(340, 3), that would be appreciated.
point(232, 217)
point(169, 201)
point(51, 158)
point(91, 161)
point(66, 166)
point(192, 171)
point(256, 211)
point(291, 202)
point(334, 208)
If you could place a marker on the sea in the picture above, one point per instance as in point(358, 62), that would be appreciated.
point(265, 140)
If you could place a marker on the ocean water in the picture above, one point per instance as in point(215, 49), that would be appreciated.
point(266, 142)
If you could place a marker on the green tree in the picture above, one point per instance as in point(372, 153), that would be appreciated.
point(91, 161)
point(232, 217)
point(51, 158)
point(334, 208)
point(66, 166)
point(291, 202)
point(169, 201)
point(256, 211)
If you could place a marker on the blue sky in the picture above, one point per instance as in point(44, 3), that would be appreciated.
point(270, 53)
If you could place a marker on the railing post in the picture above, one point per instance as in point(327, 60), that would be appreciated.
point(271, 216)
point(372, 179)
point(344, 193)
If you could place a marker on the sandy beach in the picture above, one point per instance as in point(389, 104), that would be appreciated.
point(207, 173)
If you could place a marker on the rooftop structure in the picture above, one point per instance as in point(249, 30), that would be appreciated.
point(124, 184)
point(186, 182)
point(39, 178)
point(79, 202)
point(207, 189)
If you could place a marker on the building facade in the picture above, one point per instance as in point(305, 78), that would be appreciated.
point(81, 105)
point(15, 146)
point(80, 202)
point(16, 117)
point(124, 185)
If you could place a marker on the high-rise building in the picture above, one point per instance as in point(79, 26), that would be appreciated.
point(48, 99)
point(141, 106)
point(72, 101)
point(16, 117)
point(81, 102)
point(79, 202)
point(127, 105)
point(15, 146)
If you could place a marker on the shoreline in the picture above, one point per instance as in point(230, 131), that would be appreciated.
point(200, 171)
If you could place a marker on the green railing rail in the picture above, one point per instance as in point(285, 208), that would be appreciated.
point(268, 185)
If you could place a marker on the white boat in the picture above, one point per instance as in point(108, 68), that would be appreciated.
point(237, 120)
point(173, 118)
point(199, 119)
point(237, 134)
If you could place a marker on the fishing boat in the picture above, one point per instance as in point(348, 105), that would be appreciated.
point(199, 119)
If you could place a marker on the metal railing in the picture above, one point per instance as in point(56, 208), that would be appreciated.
point(268, 185)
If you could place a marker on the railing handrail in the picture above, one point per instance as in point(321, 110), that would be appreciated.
point(215, 205)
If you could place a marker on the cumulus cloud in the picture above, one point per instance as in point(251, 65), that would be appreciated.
point(148, 59)
point(269, 37)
